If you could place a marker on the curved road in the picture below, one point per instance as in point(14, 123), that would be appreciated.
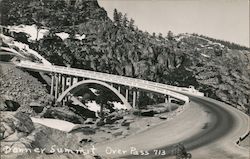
point(217, 132)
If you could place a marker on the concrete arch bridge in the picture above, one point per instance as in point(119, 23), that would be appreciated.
point(66, 79)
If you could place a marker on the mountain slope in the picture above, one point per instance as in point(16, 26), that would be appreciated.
point(119, 47)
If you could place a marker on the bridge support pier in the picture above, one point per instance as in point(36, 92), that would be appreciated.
point(63, 83)
point(75, 80)
point(169, 99)
point(68, 82)
point(59, 84)
point(166, 99)
point(134, 98)
point(56, 88)
point(119, 89)
point(52, 84)
point(126, 94)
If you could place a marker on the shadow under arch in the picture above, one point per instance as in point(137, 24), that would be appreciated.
point(75, 87)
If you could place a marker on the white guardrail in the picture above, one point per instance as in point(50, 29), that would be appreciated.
point(128, 81)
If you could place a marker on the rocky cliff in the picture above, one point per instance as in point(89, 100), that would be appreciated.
point(219, 69)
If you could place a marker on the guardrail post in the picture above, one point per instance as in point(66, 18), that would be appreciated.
point(52, 84)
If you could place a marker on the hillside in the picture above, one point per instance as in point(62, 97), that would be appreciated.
point(118, 47)
point(20, 86)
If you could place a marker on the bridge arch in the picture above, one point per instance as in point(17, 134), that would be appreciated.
point(75, 87)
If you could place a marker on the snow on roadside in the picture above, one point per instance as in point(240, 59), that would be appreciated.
point(24, 48)
point(54, 123)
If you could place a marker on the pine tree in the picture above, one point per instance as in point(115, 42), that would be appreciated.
point(125, 20)
point(131, 24)
point(170, 35)
point(117, 16)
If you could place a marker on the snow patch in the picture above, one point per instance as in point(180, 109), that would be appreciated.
point(31, 30)
point(205, 55)
point(80, 37)
point(93, 106)
point(54, 123)
point(94, 91)
point(63, 35)
point(119, 105)
point(22, 48)
point(25, 49)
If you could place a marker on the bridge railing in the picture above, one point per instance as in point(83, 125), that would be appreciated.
point(173, 88)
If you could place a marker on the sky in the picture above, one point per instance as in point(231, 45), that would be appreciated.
point(221, 19)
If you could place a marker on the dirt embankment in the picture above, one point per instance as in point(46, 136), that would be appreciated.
point(21, 87)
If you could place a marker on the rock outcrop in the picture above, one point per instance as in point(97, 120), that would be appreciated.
point(20, 138)
point(15, 125)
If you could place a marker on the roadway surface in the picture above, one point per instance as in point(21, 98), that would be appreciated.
point(208, 129)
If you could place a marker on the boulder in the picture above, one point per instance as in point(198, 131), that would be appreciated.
point(100, 122)
point(163, 117)
point(117, 132)
point(147, 113)
point(3, 106)
point(37, 107)
point(85, 129)
point(89, 121)
point(15, 125)
point(45, 137)
point(113, 117)
point(7, 103)
point(126, 122)
point(12, 105)
point(81, 111)
point(63, 114)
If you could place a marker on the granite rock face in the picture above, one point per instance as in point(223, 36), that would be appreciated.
point(15, 125)
point(20, 138)
point(221, 72)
